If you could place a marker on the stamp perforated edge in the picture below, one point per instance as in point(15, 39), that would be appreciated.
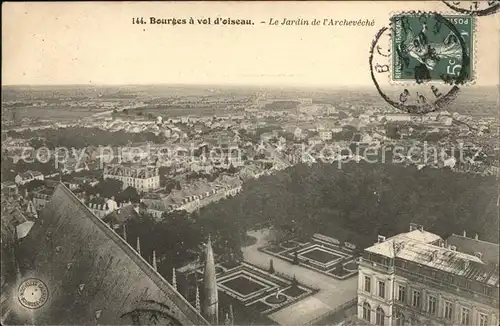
point(473, 78)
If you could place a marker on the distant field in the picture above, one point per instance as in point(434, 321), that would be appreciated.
point(175, 111)
point(55, 113)
point(477, 101)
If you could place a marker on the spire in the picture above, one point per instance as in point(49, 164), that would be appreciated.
point(125, 232)
point(197, 303)
point(231, 314)
point(211, 300)
point(14, 256)
point(174, 280)
point(154, 261)
point(138, 247)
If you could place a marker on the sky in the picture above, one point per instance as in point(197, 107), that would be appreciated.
point(96, 43)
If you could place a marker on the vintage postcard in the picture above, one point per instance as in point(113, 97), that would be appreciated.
point(250, 163)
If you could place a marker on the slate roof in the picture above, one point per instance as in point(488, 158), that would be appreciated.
point(121, 215)
point(489, 251)
point(93, 275)
point(419, 249)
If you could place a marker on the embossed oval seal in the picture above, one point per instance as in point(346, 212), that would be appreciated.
point(33, 293)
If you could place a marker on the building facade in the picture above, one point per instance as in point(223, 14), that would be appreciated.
point(415, 278)
point(41, 197)
point(28, 176)
point(142, 178)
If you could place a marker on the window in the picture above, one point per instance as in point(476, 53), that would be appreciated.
point(366, 311)
point(448, 310)
point(380, 317)
point(483, 319)
point(401, 293)
point(368, 284)
point(416, 299)
point(465, 319)
point(400, 319)
point(431, 304)
point(381, 289)
point(486, 290)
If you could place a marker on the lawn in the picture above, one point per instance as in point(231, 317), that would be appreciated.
point(294, 291)
point(243, 285)
point(320, 256)
point(260, 306)
point(351, 266)
point(340, 273)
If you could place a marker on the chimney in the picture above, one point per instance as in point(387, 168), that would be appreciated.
point(380, 238)
point(476, 237)
point(465, 234)
point(434, 255)
point(478, 255)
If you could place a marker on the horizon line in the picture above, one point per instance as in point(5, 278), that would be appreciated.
point(332, 86)
point(194, 84)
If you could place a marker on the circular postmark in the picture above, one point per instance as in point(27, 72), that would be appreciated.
point(33, 293)
point(419, 61)
point(474, 8)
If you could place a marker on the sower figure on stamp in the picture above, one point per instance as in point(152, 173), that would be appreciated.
point(428, 54)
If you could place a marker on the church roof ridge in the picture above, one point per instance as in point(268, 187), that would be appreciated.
point(186, 308)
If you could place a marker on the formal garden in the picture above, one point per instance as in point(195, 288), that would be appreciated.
point(260, 288)
point(319, 253)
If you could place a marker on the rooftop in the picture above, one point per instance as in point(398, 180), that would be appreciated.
point(121, 215)
point(416, 246)
point(489, 251)
point(94, 276)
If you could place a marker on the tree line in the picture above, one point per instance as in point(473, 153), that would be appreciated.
point(362, 200)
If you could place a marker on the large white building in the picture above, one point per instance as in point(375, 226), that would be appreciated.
point(28, 176)
point(417, 278)
point(142, 178)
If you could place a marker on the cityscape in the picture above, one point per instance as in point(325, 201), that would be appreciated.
point(225, 205)
point(281, 163)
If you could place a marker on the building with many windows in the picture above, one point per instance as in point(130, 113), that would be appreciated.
point(417, 278)
point(28, 176)
point(142, 178)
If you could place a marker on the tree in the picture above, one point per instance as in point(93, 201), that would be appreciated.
point(109, 187)
point(32, 185)
point(295, 283)
point(129, 194)
point(296, 258)
point(271, 267)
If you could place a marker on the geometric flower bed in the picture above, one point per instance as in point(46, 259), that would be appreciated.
point(322, 254)
point(257, 288)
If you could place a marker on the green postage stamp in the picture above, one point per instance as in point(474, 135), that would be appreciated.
point(432, 48)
